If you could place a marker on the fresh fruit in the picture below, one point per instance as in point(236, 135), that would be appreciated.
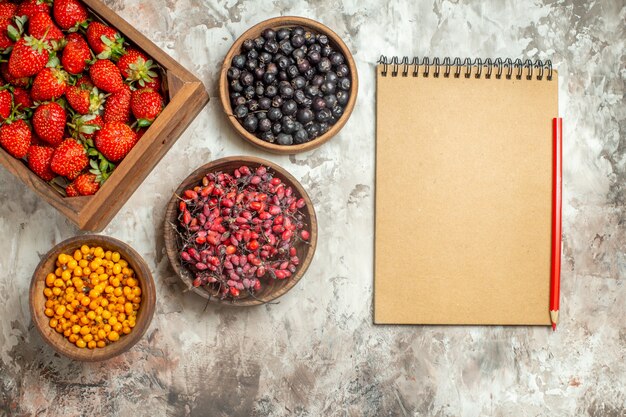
point(105, 41)
point(69, 159)
point(15, 138)
point(49, 122)
point(6, 104)
point(69, 13)
point(41, 26)
point(106, 76)
point(39, 159)
point(86, 184)
point(30, 55)
point(115, 140)
point(29, 8)
point(85, 101)
point(49, 84)
point(23, 82)
point(239, 228)
point(117, 107)
point(7, 10)
point(75, 54)
point(136, 67)
point(21, 98)
point(71, 191)
point(5, 39)
point(146, 104)
point(84, 127)
point(91, 312)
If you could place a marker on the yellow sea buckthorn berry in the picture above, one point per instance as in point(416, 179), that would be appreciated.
point(75, 329)
point(91, 344)
point(66, 275)
point(88, 337)
point(131, 282)
point(94, 265)
point(85, 301)
point(70, 290)
point(106, 314)
point(121, 300)
point(107, 255)
point(56, 291)
point(73, 338)
point(117, 269)
point(67, 332)
point(58, 282)
point(126, 330)
point(107, 328)
point(58, 272)
point(104, 302)
point(84, 330)
point(98, 252)
point(62, 258)
point(114, 336)
point(94, 281)
point(59, 329)
point(127, 291)
point(54, 323)
point(117, 292)
point(93, 305)
point(49, 303)
point(78, 271)
point(115, 257)
point(93, 294)
point(73, 318)
point(100, 270)
point(123, 263)
point(128, 308)
point(131, 323)
point(84, 249)
point(86, 271)
point(84, 320)
point(81, 343)
point(83, 263)
point(72, 263)
point(80, 296)
point(115, 282)
point(69, 297)
point(117, 327)
point(99, 310)
point(78, 255)
point(102, 334)
point(108, 289)
point(67, 315)
point(103, 277)
point(47, 292)
point(91, 315)
point(60, 310)
point(126, 272)
point(101, 344)
point(50, 278)
point(112, 320)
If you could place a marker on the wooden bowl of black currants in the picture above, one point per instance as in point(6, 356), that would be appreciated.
point(288, 84)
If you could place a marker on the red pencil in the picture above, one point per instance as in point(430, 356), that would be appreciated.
point(557, 185)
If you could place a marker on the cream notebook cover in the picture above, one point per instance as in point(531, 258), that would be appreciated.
point(463, 193)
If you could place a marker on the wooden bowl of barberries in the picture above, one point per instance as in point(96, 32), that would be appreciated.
point(288, 85)
point(240, 231)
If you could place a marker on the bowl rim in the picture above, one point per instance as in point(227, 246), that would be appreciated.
point(126, 342)
point(171, 246)
point(278, 22)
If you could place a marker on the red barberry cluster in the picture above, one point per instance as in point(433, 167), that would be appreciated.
point(74, 97)
point(237, 229)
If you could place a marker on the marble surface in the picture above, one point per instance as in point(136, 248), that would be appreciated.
point(316, 353)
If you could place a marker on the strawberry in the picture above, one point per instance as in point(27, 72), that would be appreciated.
point(21, 98)
point(71, 191)
point(86, 184)
point(15, 138)
point(117, 106)
point(136, 67)
point(49, 84)
point(146, 105)
point(6, 104)
point(105, 41)
point(84, 127)
point(29, 56)
point(23, 82)
point(106, 76)
point(83, 100)
point(7, 10)
point(39, 158)
point(69, 13)
point(5, 38)
point(115, 140)
point(76, 54)
point(29, 7)
point(84, 82)
point(41, 26)
point(155, 84)
point(49, 122)
point(69, 159)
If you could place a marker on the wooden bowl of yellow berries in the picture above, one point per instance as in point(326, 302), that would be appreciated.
point(92, 297)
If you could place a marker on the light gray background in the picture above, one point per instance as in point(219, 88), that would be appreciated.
point(316, 353)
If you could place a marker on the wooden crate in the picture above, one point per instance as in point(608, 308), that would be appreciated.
point(187, 96)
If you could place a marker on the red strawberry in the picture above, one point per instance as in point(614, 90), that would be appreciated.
point(49, 84)
point(69, 159)
point(85, 127)
point(21, 98)
point(29, 56)
point(49, 122)
point(136, 67)
point(155, 84)
point(5, 39)
point(132, 58)
point(86, 184)
point(115, 140)
point(106, 76)
point(41, 26)
point(105, 41)
point(117, 106)
point(75, 54)
point(146, 105)
point(78, 99)
point(84, 82)
point(69, 13)
point(29, 7)
point(15, 138)
point(71, 191)
point(39, 158)
point(7, 10)
point(23, 82)
point(6, 103)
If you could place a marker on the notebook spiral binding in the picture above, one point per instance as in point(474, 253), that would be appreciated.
point(508, 67)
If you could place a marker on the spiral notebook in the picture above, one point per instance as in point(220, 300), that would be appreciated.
point(464, 191)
